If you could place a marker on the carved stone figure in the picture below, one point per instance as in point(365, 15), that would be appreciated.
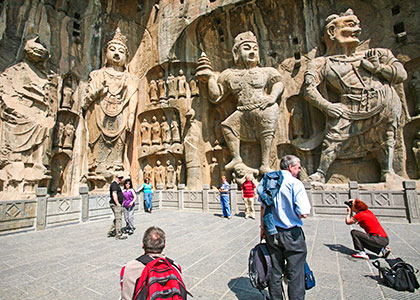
point(176, 137)
point(145, 129)
point(148, 172)
point(28, 116)
point(214, 173)
point(159, 173)
point(59, 135)
point(355, 91)
point(416, 151)
point(153, 91)
point(68, 136)
point(194, 88)
point(415, 87)
point(179, 172)
point(257, 91)
point(110, 101)
point(171, 82)
point(165, 131)
point(297, 121)
point(182, 85)
point(161, 87)
point(170, 175)
point(67, 93)
point(155, 131)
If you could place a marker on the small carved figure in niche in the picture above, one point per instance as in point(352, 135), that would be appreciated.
point(148, 172)
point(153, 91)
point(161, 87)
point(416, 151)
point(155, 131)
point(179, 172)
point(68, 136)
point(67, 93)
point(170, 175)
point(214, 173)
point(176, 136)
point(28, 112)
point(415, 87)
point(296, 117)
point(159, 173)
point(165, 131)
point(357, 96)
point(171, 82)
point(257, 91)
point(59, 135)
point(194, 88)
point(145, 129)
point(110, 104)
point(182, 85)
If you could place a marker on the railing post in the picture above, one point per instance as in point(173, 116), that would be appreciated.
point(233, 198)
point(84, 194)
point(354, 190)
point(181, 188)
point(308, 188)
point(205, 197)
point(411, 201)
point(41, 209)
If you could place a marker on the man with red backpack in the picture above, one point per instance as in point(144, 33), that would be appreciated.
point(152, 275)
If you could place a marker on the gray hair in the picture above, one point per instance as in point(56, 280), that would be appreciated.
point(288, 160)
point(154, 240)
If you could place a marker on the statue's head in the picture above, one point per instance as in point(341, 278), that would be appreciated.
point(245, 50)
point(168, 162)
point(343, 29)
point(35, 51)
point(154, 119)
point(117, 53)
point(158, 162)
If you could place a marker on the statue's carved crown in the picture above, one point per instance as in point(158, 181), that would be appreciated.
point(119, 38)
point(245, 37)
point(331, 18)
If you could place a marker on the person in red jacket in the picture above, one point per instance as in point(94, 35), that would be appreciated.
point(248, 188)
point(374, 238)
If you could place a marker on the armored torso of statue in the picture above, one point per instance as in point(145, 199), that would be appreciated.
point(111, 100)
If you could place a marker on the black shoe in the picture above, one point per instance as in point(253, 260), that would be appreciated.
point(121, 237)
point(130, 232)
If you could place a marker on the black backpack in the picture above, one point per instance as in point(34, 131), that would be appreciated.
point(259, 266)
point(400, 276)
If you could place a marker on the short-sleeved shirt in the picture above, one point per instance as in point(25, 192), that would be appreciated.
point(115, 187)
point(248, 189)
point(225, 186)
point(147, 188)
point(368, 221)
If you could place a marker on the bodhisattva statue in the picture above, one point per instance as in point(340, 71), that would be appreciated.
point(171, 82)
point(28, 116)
point(176, 136)
point(170, 175)
point(110, 101)
point(161, 87)
point(159, 173)
point(153, 91)
point(182, 85)
point(155, 131)
point(68, 136)
point(257, 91)
point(179, 172)
point(165, 131)
point(67, 93)
point(148, 172)
point(145, 129)
point(355, 91)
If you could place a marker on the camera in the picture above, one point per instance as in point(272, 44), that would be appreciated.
point(349, 203)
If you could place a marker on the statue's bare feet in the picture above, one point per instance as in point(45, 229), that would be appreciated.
point(317, 177)
point(241, 170)
point(265, 169)
point(233, 163)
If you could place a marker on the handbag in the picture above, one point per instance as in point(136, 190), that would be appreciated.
point(309, 277)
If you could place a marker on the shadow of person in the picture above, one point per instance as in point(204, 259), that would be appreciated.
point(243, 289)
point(340, 248)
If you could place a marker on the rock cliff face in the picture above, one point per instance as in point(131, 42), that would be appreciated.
point(178, 133)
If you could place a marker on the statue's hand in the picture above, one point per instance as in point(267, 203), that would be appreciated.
point(371, 61)
point(267, 101)
point(335, 110)
point(205, 75)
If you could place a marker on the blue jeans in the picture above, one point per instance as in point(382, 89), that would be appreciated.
point(224, 200)
point(148, 201)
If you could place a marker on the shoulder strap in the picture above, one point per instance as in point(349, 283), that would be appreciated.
point(144, 259)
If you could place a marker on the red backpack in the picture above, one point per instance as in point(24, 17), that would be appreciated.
point(160, 279)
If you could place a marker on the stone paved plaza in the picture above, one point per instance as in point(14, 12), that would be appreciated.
point(79, 262)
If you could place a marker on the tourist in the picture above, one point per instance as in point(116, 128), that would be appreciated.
point(248, 188)
point(224, 198)
point(116, 201)
point(374, 238)
point(148, 195)
point(154, 242)
point(283, 205)
point(130, 197)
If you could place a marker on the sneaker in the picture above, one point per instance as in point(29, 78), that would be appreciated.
point(385, 252)
point(121, 237)
point(229, 217)
point(361, 254)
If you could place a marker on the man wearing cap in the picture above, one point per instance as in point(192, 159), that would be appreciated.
point(257, 91)
point(116, 201)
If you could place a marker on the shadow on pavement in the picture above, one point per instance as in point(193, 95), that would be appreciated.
point(340, 248)
point(243, 289)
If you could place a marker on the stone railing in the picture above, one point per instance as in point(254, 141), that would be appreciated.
point(43, 211)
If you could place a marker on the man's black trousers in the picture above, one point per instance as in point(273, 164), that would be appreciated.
point(362, 240)
point(288, 254)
